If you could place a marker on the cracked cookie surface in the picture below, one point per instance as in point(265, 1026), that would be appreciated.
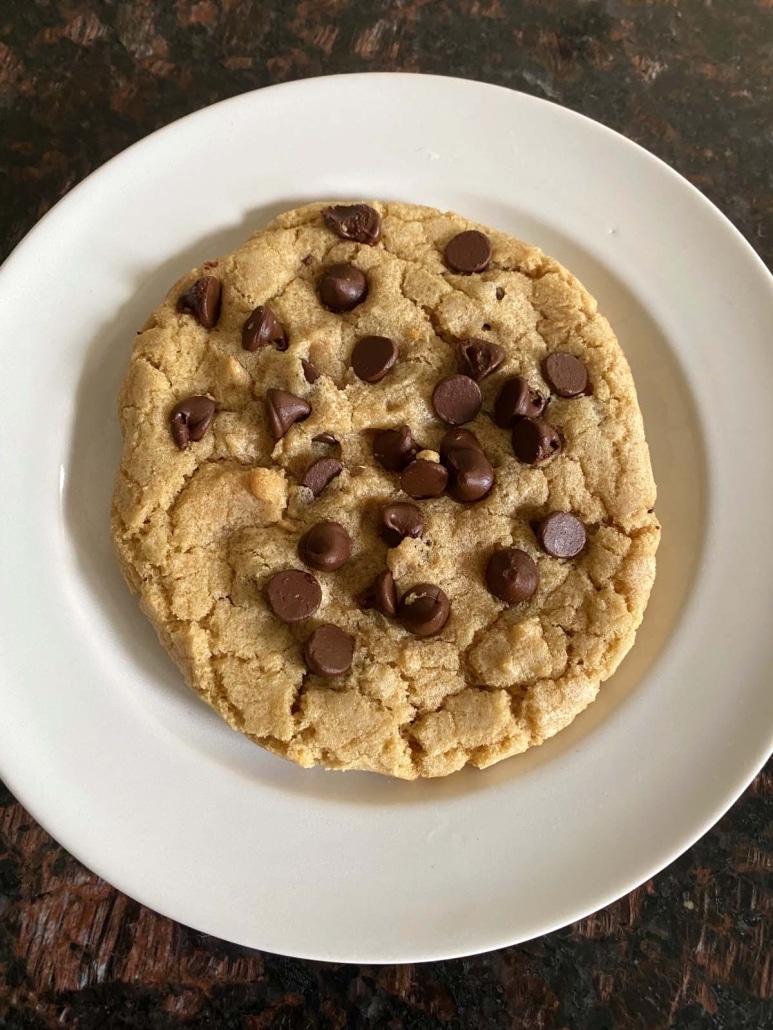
point(200, 531)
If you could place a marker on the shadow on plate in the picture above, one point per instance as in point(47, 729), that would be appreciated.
point(154, 683)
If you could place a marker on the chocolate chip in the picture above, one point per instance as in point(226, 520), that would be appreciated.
point(457, 399)
point(284, 409)
point(320, 473)
point(357, 222)
point(463, 439)
point(422, 479)
point(372, 357)
point(500, 293)
point(424, 610)
point(515, 400)
point(293, 595)
point(381, 595)
point(328, 651)
point(263, 327)
point(190, 419)
point(326, 438)
point(534, 441)
point(311, 372)
point(565, 373)
point(202, 300)
point(471, 474)
point(511, 575)
point(393, 449)
point(468, 252)
point(326, 546)
point(342, 287)
point(561, 534)
point(307, 260)
point(479, 357)
point(399, 521)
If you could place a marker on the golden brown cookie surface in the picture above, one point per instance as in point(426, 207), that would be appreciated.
point(320, 344)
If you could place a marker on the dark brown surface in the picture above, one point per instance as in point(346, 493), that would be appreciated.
point(690, 80)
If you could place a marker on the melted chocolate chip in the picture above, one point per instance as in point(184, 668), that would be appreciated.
point(190, 419)
point(357, 222)
point(424, 610)
point(293, 595)
point(325, 547)
point(422, 479)
point(202, 300)
point(534, 441)
point(310, 371)
point(393, 449)
point(262, 328)
point(458, 439)
point(511, 575)
point(328, 651)
point(320, 473)
point(468, 252)
point(342, 287)
point(399, 521)
point(479, 358)
point(326, 438)
point(516, 400)
point(457, 399)
point(372, 358)
point(381, 595)
point(471, 474)
point(284, 409)
point(499, 293)
point(561, 535)
point(565, 373)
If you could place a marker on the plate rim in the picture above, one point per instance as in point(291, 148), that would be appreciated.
point(754, 763)
point(591, 123)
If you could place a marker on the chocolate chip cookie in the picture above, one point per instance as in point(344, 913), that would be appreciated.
point(385, 493)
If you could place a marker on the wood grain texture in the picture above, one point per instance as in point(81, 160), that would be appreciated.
point(692, 80)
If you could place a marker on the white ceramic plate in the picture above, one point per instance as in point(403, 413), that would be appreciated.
point(121, 763)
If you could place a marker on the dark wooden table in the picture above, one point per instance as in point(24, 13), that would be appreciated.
point(692, 80)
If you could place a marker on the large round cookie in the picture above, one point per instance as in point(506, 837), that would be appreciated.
point(206, 512)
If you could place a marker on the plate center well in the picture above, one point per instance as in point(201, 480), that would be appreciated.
point(146, 676)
